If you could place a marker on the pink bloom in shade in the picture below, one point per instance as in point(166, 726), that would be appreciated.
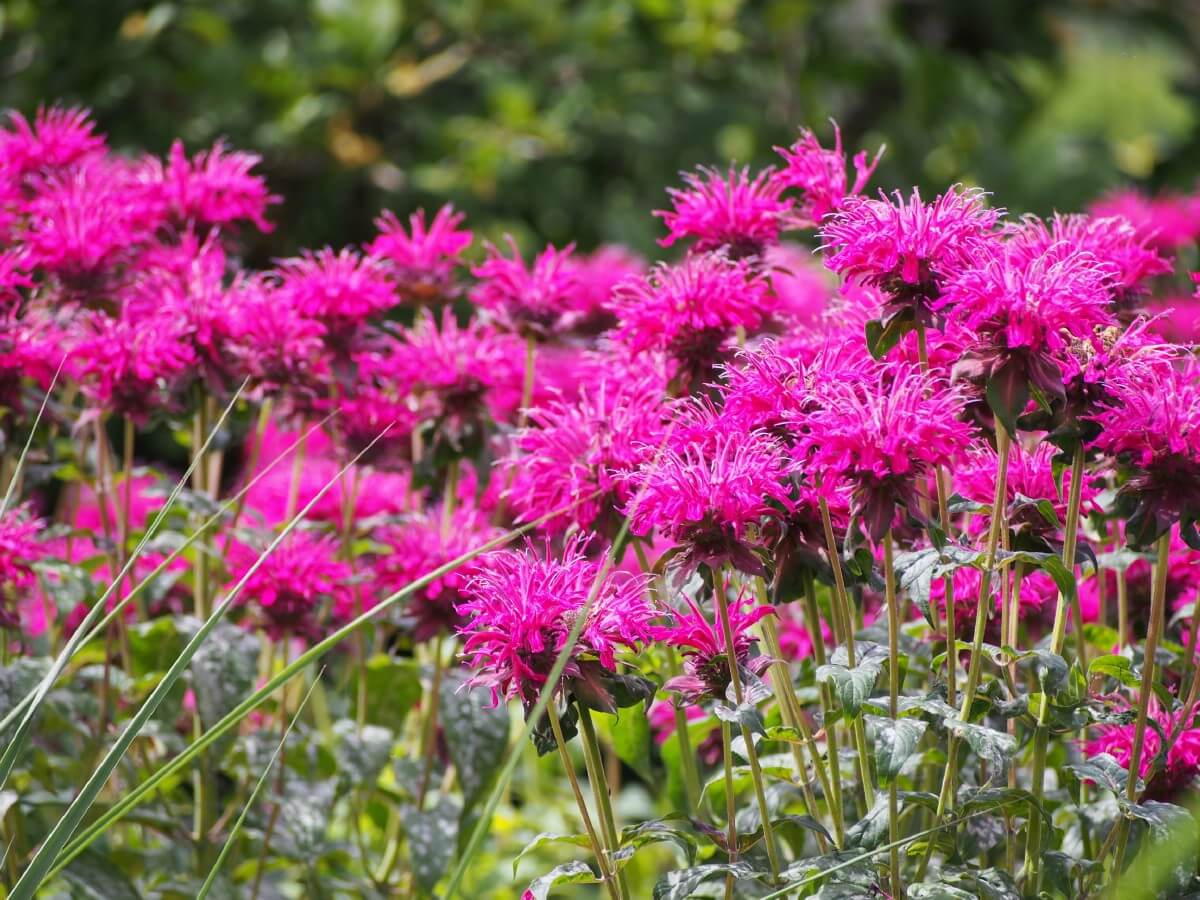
point(522, 606)
point(802, 286)
point(1182, 752)
point(708, 499)
point(820, 176)
point(85, 222)
point(884, 437)
point(702, 642)
point(1152, 424)
point(1036, 602)
point(374, 420)
point(132, 366)
point(20, 549)
point(57, 138)
point(277, 347)
point(597, 276)
point(1126, 257)
point(539, 299)
point(795, 640)
point(578, 449)
point(455, 376)
point(1183, 586)
point(1167, 221)
point(424, 258)
point(340, 290)
point(691, 310)
point(289, 588)
point(661, 716)
point(416, 546)
point(1176, 318)
point(375, 493)
point(731, 211)
point(215, 187)
point(1030, 478)
point(908, 248)
point(12, 279)
point(1023, 311)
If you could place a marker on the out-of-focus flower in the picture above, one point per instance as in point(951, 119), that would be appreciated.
point(884, 437)
point(536, 300)
point(1152, 424)
point(731, 212)
point(820, 176)
point(215, 187)
point(907, 248)
point(423, 259)
point(20, 549)
point(1167, 221)
point(288, 589)
point(706, 661)
point(57, 138)
point(522, 607)
point(276, 346)
point(415, 547)
point(597, 276)
point(1182, 752)
point(691, 310)
point(802, 287)
point(580, 449)
point(709, 499)
point(340, 290)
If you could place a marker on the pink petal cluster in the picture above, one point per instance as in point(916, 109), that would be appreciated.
point(215, 187)
point(340, 290)
point(1182, 752)
point(538, 299)
point(1167, 221)
point(20, 549)
point(521, 607)
point(424, 258)
point(820, 176)
point(731, 211)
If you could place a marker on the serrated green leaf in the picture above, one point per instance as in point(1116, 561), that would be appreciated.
point(895, 743)
point(476, 736)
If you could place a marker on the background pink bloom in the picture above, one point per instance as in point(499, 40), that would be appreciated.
point(423, 259)
point(538, 299)
point(732, 211)
point(820, 176)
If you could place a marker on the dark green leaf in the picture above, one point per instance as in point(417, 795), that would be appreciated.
point(1104, 771)
point(673, 829)
point(568, 873)
point(393, 686)
point(996, 747)
point(432, 839)
point(683, 883)
point(632, 741)
point(895, 743)
point(854, 686)
point(361, 757)
point(476, 736)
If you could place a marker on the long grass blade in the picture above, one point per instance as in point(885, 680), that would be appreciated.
point(253, 798)
point(44, 858)
point(13, 749)
point(260, 696)
point(200, 531)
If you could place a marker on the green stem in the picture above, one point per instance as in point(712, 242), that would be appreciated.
point(600, 792)
point(1153, 635)
point(602, 860)
point(730, 806)
point(1041, 737)
point(982, 611)
point(889, 581)
point(812, 615)
point(428, 747)
point(722, 601)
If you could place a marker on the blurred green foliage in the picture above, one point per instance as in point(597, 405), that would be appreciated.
point(564, 119)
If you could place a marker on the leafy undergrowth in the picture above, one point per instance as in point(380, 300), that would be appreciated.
point(852, 553)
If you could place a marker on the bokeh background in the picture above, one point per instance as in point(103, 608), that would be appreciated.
point(564, 120)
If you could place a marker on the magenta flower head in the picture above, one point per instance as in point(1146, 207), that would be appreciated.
point(20, 549)
point(884, 437)
point(1152, 425)
point(57, 138)
point(1167, 221)
point(1125, 256)
point(907, 248)
point(521, 608)
point(706, 663)
point(417, 545)
point(280, 349)
point(293, 582)
point(1182, 752)
point(711, 498)
point(731, 212)
point(215, 187)
point(690, 311)
point(1023, 312)
point(597, 276)
point(340, 290)
point(132, 365)
point(820, 176)
point(579, 450)
point(537, 300)
point(423, 259)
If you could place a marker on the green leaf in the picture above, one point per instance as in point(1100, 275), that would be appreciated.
point(972, 801)
point(432, 840)
point(1044, 508)
point(996, 747)
point(927, 890)
point(94, 876)
point(871, 830)
point(568, 873)
point(1007, 395)
point(895, 743)
point(393, 687)
point(854, 686)
point(476, 736)
point(746, 715)
point(223, 670)
point(673, 829)
point(305, 818)
point(1114, 666)
point(683, 883)
point(1162, 818)
point(632, 741)
point(361, 757)
point(884, 334)
point(1104, 771)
